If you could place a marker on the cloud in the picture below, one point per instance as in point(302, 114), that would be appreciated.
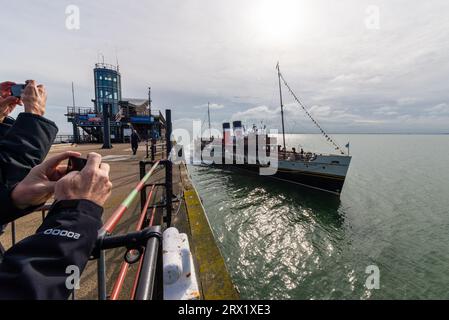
point(439, 109)
point(406, 101)
point(351, 78)
point(213, 106)
point(357, 79)
point(256, 113)
point(369, 121)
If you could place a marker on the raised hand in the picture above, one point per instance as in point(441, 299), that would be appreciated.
point(39, 185)
point(34, 98)
point(92, 183)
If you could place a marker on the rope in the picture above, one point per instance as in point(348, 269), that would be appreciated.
point(326, 135)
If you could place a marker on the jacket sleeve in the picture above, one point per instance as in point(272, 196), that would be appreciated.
point(36, 267)
point(9, 120)
point(4, 128)
point(9, 212)
point(25, 145)
point(6, 125)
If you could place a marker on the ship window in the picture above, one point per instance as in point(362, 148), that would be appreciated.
point(335, 162)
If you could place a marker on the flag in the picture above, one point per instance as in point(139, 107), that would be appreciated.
point(119, 116)
point(347, 146)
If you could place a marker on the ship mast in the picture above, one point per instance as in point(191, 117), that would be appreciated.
point(208, 118)
point(282, 105)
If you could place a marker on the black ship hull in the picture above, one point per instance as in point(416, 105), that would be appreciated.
point(323, 182)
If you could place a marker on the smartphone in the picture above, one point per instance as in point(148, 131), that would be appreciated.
point(16, 90)
point(76, 164)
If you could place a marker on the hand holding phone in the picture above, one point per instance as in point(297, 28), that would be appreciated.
point(17, 89)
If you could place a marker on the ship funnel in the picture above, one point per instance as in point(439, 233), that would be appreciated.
point(227, 133)
point(238, 129)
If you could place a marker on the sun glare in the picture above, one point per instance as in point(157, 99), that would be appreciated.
point(280, 20)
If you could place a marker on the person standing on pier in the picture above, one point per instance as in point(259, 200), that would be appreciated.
point(135, 142)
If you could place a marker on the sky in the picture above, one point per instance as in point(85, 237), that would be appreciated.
point(359, 66)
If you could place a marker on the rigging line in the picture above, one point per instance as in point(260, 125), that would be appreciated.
point(337, 147)
point(328, 138)
point(309, 115)
point(296, 124)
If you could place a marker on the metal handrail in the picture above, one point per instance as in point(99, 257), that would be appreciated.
point(147, 274)
point(112, 222)
point(125, 266)
point(109, 227)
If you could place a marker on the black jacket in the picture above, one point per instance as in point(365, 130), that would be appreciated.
point(36, 267)
point(6, 125)
point(24, 145)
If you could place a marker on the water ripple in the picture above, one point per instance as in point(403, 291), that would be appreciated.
point(284, 242)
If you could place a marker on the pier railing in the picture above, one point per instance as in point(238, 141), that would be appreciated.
point(148, 283)
point(63, 138)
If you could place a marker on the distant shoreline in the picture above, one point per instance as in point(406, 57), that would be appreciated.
point(387, 133)
point(349, 133)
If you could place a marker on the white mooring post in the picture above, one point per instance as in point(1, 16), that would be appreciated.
point(180, 280)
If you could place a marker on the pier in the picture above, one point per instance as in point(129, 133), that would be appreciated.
point(188, 216)
point(150, 194)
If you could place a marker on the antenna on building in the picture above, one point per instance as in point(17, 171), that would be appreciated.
point(116, 59)
point(73, 96)
point(149, 100)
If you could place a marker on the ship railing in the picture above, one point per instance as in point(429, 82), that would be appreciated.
point(295, 156)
